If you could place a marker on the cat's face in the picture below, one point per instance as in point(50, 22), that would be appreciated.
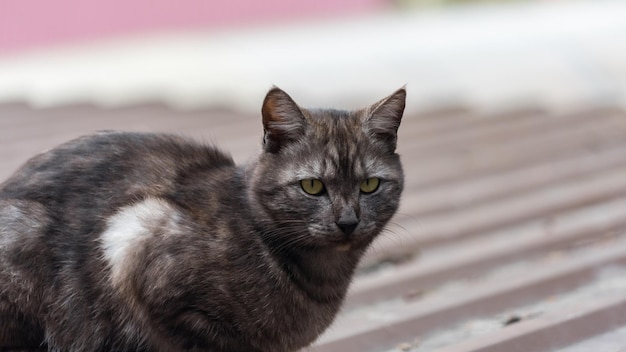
point(328, 178)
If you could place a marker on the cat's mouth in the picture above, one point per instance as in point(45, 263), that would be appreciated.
point(344, 246)
point(339, 241)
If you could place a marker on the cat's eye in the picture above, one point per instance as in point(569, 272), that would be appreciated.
point(312, 186)
point(370, 185)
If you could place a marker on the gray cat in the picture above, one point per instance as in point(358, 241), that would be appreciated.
point(152, 242)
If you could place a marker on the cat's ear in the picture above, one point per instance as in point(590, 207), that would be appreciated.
point(283, 121)
point(382, 119)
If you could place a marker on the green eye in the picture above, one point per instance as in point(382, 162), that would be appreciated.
point(370, 185)
point(312, 186)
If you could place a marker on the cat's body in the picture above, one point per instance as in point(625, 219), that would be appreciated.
point(146, 242)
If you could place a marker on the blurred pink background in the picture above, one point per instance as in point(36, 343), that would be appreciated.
point(27, 24)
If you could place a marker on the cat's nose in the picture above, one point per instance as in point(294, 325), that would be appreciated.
point(348, 221)
point(347, 228)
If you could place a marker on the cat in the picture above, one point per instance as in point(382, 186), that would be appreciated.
point(123, 241)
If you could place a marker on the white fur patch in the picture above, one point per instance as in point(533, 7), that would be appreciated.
point(128, 229)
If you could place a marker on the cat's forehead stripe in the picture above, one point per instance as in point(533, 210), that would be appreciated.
point(338, 147)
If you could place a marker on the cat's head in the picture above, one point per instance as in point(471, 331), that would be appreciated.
point(327, 178)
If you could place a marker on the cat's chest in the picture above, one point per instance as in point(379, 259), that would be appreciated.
point(283, 305)
point(291, 319)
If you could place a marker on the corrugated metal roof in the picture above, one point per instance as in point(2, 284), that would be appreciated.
point(511, 234)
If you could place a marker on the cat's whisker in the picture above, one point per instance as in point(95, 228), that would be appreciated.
point(393, 224)
point(411, 217)
point(395, 236)
point(290, 238)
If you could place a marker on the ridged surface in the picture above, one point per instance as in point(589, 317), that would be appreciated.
point(511, 235)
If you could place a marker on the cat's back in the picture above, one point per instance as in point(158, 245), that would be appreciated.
point(108, 163)
point(61, 198)
point(56, 205)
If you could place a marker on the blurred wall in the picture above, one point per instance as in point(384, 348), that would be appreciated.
point(26, 24)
